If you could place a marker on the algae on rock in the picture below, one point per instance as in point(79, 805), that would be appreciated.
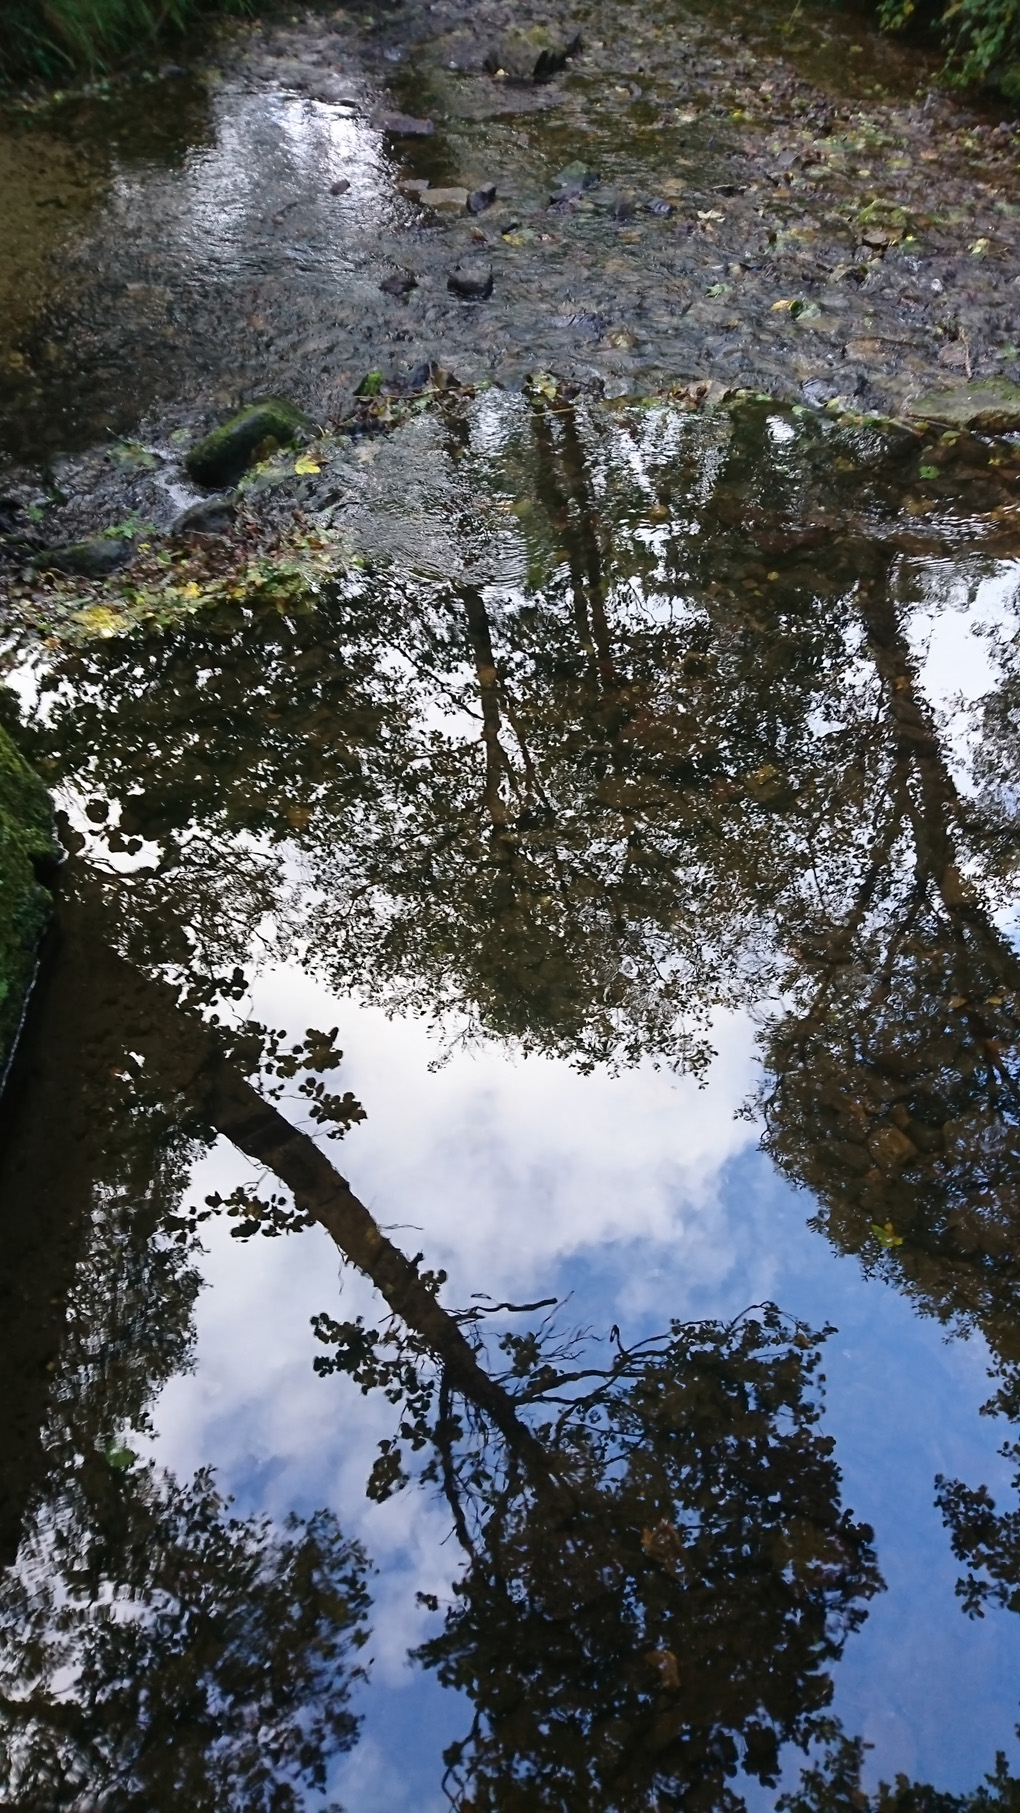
point(26, 842)
point(229, 450)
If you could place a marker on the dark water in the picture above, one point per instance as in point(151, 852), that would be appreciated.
point(636, 799)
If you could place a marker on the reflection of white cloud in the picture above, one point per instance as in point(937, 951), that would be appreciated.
point(509, 1167)
point(948, 635)
point(641, 1193)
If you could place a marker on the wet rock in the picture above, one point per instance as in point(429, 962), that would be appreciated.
point(819, 391)
point(213, 516)
point(403, 125)
point(572, 181)
point(444, 198)
point(988, 406)
point(222, 456)
point(532, 56)
point(658, 206)
point(471, 280)
point(482, 198)
point(88, 559)
point(340, 187)
point(399, 284)
point(426, 375)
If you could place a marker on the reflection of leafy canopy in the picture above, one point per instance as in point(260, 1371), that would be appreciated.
point(172, 1656)
point(674, 1620)
point(833, 1785)
point(897, 1086)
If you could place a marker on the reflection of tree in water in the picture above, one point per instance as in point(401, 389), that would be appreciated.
point(679, 1501)
point(156, 1652)
point(669, 1621)
point(660, 804)
point(895, 1093)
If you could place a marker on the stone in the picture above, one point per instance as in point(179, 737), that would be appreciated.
point(572, 182)
point(444, 198)
point(399, 284)
point(88, 559)
point(403, 125)
point(341, 186)
point(471, 280)
point(222, 456)
point(535, 55)
point(213, 516)
point(28, 854)
point(481, 198)
point(988, 406)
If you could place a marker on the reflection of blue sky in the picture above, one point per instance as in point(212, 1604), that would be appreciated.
point(646, 1198)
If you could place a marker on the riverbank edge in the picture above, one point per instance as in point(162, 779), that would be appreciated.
point(28, 849)
point(58, 42)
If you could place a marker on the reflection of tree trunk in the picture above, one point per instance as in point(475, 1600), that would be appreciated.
point(584, 553)
point(938, 811)
point(185, 1064)
point(496, 761)
point(240, 1114)
point(52, 1124)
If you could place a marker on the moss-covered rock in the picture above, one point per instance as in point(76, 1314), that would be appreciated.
point(987, 406)
point(221, 458)
point(26, 842)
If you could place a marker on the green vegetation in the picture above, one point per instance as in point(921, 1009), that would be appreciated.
point(983, 36)
point(54, 37)
point(26, 839)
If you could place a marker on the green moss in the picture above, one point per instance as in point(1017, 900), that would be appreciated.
point(26, 840)
point(228, 451)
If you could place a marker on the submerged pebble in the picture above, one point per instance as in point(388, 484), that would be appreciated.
point(472, 280)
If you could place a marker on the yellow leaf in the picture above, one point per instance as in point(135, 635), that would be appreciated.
point(191, 590)
point(787, 304)
point(99, 620)
point(306, 464)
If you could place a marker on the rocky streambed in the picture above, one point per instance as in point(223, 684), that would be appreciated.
point(691, 204)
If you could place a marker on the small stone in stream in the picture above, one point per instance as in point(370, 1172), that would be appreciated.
point(220, 458)
point(404, 125)
point(173, 72)
point(340, 187)
point(989, 406)
point(471, 280)
point(572, 181)
point(401, 283)
point(482, 198)
point(659, 206)
point(444, 198)
point(819, 391)
point(422, 376)
point(88, 559)
point(213, 516)
point(535, 55)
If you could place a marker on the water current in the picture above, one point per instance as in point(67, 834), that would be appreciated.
point(629, 796)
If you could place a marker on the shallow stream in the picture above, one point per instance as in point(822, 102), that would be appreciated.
point(627, 789)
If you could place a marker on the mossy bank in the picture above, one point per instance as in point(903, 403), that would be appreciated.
point(26, 848)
